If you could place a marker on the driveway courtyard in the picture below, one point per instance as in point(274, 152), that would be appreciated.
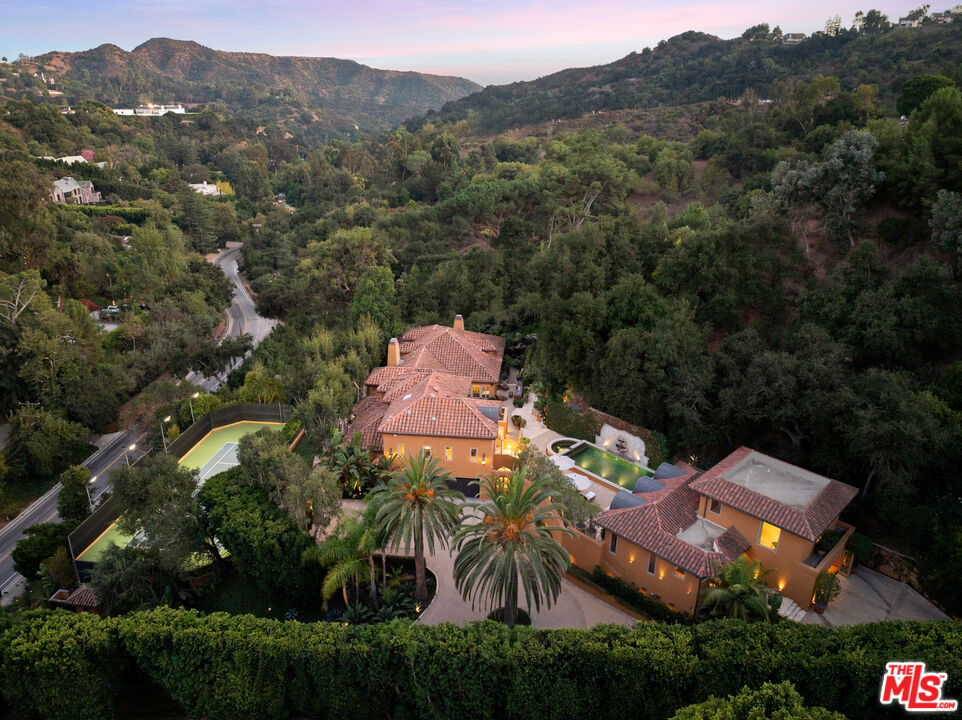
point(869, 596)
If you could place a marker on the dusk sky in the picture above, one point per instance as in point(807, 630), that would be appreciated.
point(490, 42)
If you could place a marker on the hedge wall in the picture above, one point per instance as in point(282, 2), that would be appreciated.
point(130, 214)
point(58, 665)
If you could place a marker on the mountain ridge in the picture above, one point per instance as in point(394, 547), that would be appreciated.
point(170, 70)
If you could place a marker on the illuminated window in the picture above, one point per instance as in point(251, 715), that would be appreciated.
point(474, 455)
point(679, 573)
point(613, 544)
point(714, 506)
point(400, 449)
point(768, 537)
point(651, 564)
point(427, 451)
point(449, 453)
point(475, 390)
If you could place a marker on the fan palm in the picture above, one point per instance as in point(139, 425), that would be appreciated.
point(416, 507)
point(739, 591)
point(513, 546)
point(346, 555)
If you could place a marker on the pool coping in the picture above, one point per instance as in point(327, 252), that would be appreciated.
point(587, 473)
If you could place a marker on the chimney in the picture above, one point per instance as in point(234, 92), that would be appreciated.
point(393, 353)
point(458, 322)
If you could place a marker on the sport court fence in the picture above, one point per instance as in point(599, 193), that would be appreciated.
point(106, 514)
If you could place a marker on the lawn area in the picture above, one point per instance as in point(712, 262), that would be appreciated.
point(235, 595)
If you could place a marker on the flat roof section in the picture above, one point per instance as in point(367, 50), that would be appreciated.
point(702, 533)
point(775, 479)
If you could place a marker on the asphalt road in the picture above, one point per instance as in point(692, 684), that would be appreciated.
point(241, 318)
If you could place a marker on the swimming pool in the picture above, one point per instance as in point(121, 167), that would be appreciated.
point(609, 467)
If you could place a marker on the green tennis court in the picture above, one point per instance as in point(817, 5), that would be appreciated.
point(111, 536)
point(214, 441)
point(215, 453)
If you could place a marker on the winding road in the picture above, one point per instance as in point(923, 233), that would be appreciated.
point(242, 318)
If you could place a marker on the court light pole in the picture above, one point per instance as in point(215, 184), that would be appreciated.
point(130, 449)
point(190, 401)
point(90, 503)
point(162, 436)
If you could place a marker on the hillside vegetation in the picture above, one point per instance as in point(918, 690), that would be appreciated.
point(694, 67)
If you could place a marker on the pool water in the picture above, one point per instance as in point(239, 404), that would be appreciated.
point(610, 467)
point(559, 446)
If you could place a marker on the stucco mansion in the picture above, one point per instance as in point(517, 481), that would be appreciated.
point(667, 535)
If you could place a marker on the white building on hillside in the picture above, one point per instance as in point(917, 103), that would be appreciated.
point(205, 188)
point(151, 110)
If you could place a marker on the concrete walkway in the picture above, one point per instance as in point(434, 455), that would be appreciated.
point(535, 430)
point(869, 596)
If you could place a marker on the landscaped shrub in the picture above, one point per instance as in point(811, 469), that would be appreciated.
point(862, 548)
point(521, 616)
point(565, 421)
point(59, 665)
point(62, 665)
point(647, 606)
point(769, 702)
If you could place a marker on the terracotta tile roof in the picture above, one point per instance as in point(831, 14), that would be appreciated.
point(455, 352)
point(368, 414)
point(412, 401)
point(84, 596)
point(808, 522)
point(655, 525)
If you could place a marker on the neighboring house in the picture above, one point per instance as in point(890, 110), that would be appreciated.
point(77, 192)
point(205, 188)
point(151, 110)
point(792, 38)
point(437, 394)
point(71, 159)
point(948, 15)
point(669, 536)
point(909, 22)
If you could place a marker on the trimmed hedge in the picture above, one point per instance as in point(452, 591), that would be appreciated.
point(647, 606)
point(61, 665)
point(130, 214)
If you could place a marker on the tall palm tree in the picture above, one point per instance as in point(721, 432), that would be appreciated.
point(416, 507)
point(513, 545)
point(739, 591)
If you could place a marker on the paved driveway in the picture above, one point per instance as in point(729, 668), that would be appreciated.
point(575, 608)
point(868, 596)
